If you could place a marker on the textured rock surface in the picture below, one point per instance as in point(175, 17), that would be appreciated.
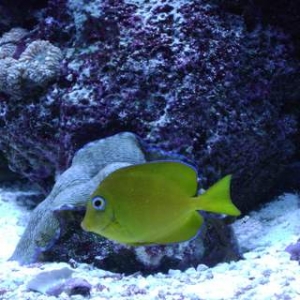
point(5, 173)
point(186, 76)
point(72, 189)
point(280, 13)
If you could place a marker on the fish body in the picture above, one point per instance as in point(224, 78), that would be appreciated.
point(154, 203)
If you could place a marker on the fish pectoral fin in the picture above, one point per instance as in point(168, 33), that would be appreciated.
point(186, 230)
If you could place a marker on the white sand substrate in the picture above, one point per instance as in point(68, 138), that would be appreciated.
point(266, 272)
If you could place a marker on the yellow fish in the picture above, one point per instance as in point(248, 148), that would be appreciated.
point(154, 203)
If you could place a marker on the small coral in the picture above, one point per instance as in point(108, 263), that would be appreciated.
point(26, 70)
point(14, 35)
point(10, 42)
point(40, 62)
point(10, 75)
point(7, 50)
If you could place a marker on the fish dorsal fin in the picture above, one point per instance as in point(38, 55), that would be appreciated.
point(180, 174)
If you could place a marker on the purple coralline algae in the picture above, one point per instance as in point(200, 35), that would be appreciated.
point(186, 76)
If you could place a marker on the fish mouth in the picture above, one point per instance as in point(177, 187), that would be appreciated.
point(83, 226)
point(112, 221)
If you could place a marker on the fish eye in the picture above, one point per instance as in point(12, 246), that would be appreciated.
point(99, 203)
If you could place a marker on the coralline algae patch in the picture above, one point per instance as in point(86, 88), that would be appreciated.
point(266, 272)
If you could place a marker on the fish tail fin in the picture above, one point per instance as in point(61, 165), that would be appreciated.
point(217, 199)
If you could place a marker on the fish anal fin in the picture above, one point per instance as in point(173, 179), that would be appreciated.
point(186, 231)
